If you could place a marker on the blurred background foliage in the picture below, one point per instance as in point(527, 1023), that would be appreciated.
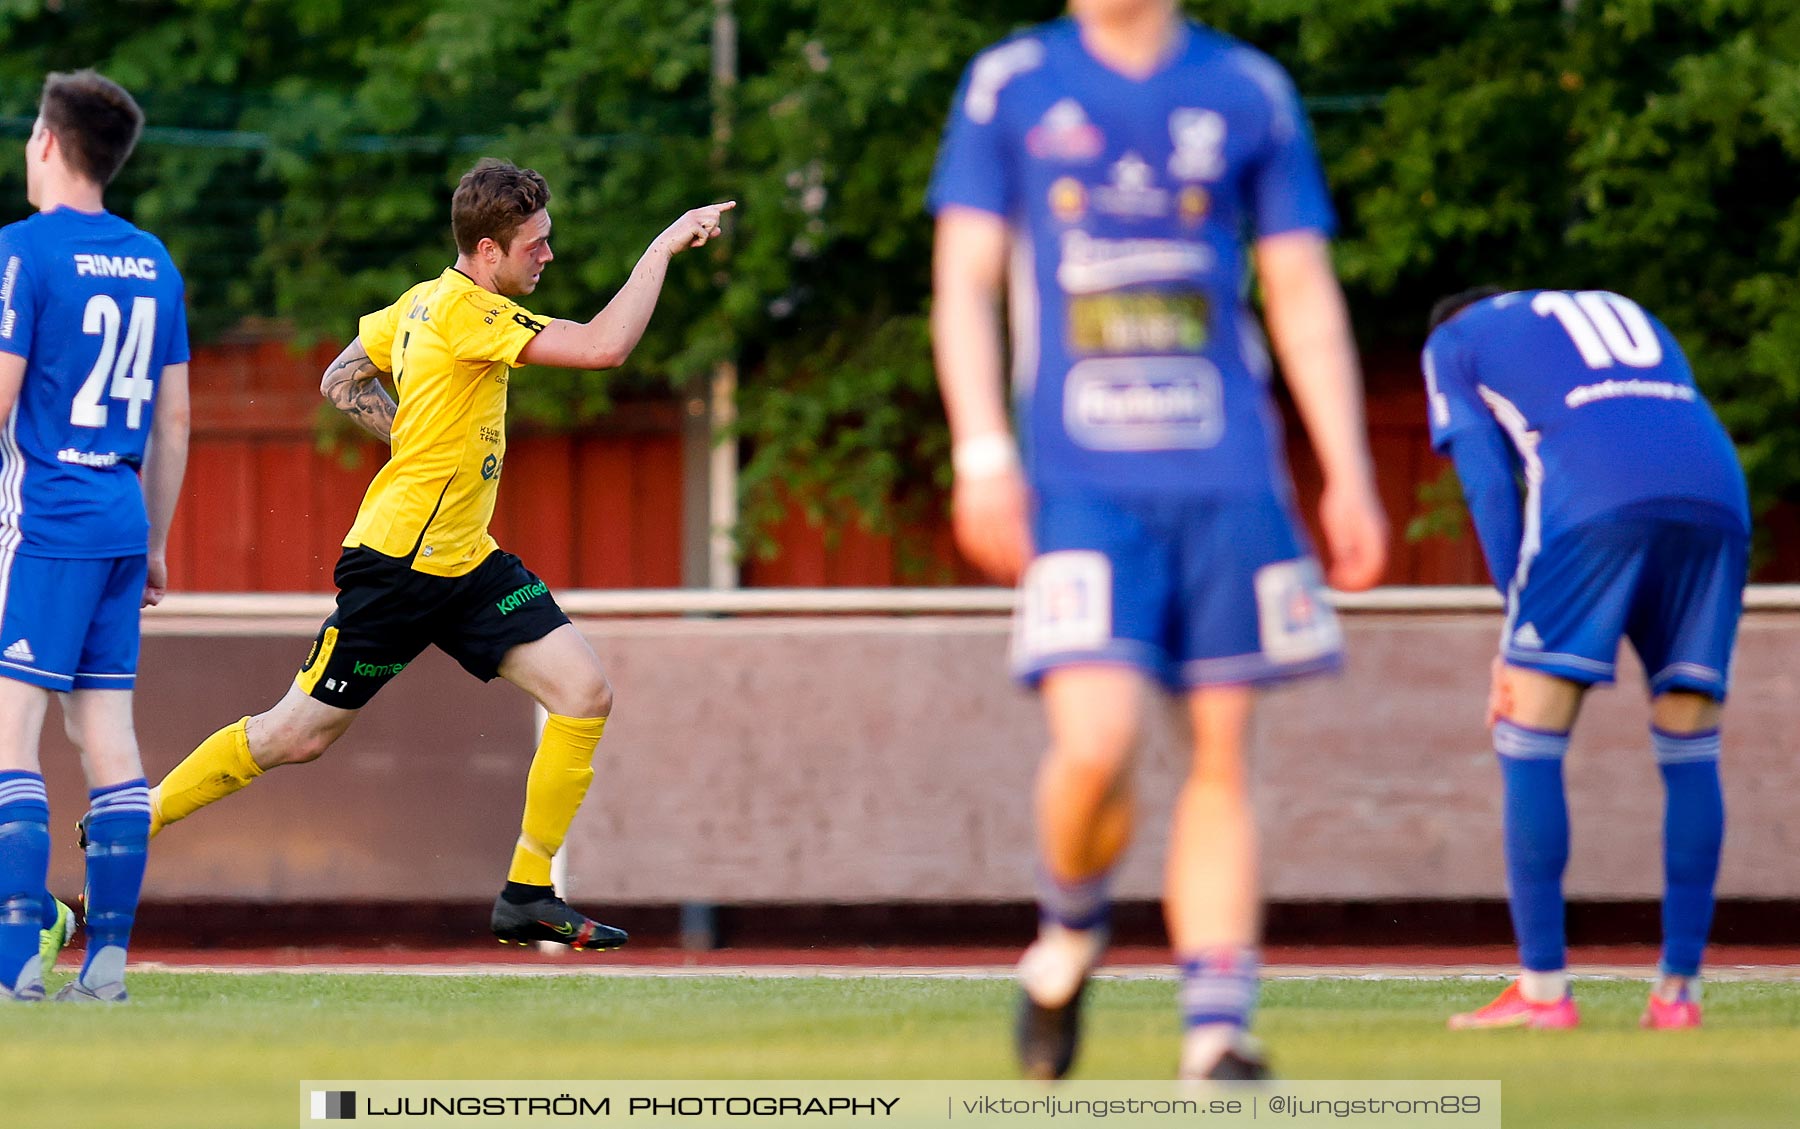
point(302, 153)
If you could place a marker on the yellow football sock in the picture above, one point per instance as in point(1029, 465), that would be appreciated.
point(560, 774)
point(219, 767)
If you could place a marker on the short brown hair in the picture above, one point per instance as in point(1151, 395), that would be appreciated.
point(1448, 308)
point(95, 120)
point(492, 200)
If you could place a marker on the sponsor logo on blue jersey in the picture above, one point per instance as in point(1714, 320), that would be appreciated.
point(1090, 264)
point(115, 266)
point(9, 317)
point(89, 458)
point(1131, 190)
point(1144, 404)
point(1065, 134)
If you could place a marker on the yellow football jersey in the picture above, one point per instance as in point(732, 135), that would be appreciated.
point(451, 346)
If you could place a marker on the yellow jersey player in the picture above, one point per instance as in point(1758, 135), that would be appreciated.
point(419, 567)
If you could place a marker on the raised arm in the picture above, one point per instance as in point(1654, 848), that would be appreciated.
point(608, 339)
point(353, 385)
point(988, 505)
point(1310, 331)
point(165, 464)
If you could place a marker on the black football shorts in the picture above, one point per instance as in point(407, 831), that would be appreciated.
point(387, 614)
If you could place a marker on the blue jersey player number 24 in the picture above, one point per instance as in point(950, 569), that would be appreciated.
point(93, 447)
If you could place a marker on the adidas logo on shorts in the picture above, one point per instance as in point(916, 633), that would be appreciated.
point(1527, 637)
point(21, 652)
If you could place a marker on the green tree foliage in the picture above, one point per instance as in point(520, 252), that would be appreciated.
point(304, 152)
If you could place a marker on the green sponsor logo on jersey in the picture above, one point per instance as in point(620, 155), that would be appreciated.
point(518, 597)
point(377, 670)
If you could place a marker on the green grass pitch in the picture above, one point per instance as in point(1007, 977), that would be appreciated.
point(196, 1050)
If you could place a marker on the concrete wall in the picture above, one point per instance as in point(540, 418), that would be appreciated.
point(888, 759)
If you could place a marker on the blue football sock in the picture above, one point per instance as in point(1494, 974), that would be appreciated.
point(118, 833)
point(1082, 904)
point(1537, 840)
point(1693, 832)
point(24, 867)
point(1218, 986)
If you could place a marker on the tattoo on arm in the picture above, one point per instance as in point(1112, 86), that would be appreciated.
point(353, 385)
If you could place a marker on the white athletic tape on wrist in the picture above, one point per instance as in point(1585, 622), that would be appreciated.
point(984, 456)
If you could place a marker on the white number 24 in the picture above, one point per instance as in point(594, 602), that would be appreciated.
point(129, 367)
point(1606, 328)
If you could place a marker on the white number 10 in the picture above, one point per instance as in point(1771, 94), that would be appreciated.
point(1605, 327)
point(129, 366)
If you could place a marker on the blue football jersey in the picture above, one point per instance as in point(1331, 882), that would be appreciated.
point(1594, 395)
point(96, 307)
point(1137, 364)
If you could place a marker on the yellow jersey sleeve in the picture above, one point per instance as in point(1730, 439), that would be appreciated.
point(490, 328)
point(376, 332)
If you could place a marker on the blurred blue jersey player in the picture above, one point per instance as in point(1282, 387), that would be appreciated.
point(93, 390)
point(1633, 523)
point(1129, 167)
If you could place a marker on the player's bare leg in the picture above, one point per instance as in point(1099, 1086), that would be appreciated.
point(297, 729)
point(22, 710)
point(1535, 699)
point(1685, 734)
point(1531, 714)
point(1211, 897)
point(1084, 820)
point(115, 835)
point(1084, 793)
point(24, 840)
point(100, 724)
point(562, 672)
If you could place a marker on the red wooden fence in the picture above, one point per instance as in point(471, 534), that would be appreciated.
point(267, 501)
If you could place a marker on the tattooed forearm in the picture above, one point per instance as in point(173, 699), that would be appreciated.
point(353, 385)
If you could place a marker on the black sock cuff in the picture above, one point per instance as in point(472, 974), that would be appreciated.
point(519, 893)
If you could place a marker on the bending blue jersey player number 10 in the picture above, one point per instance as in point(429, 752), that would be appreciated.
point(1633, 524)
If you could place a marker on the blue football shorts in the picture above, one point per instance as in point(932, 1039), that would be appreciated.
point(1194, 591)
point(1673, 587)
point(71, 624)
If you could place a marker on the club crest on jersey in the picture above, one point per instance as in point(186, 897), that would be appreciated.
point(115, 266)
point(1132, 192)
point(1294, 623)
point(1301, 612)
point(1065, 134)
point(1065, 606)
point(1199, 137)
point(1068, 200)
